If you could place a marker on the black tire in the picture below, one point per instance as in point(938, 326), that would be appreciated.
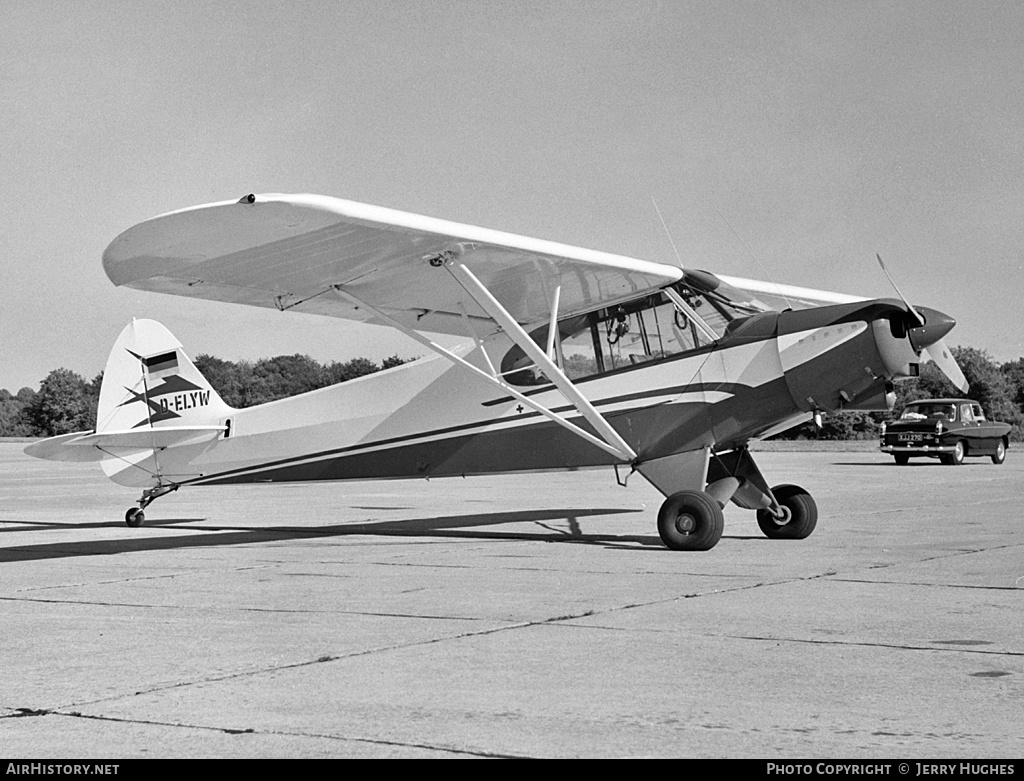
point(1000, 455)
point(690, 520)
point(134, 517)
point(902, 459)
point(956, 458)
point(802, 510)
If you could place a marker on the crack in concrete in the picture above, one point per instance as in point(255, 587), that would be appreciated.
point(866, 644)
point(228, 608)
point(90, 602)
point(23, 712)
point(306, 663)
point(106, 582)
point(375, 614)
point(930, 585)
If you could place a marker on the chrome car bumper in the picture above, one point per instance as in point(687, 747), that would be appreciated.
point(920, 449)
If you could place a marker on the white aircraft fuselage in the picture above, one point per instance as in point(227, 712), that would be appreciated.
point(429, 418)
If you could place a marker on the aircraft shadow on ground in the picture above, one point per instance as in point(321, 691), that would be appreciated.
point(217, 535)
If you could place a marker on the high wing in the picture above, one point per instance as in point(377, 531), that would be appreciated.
point(323, 255)
point(782, 297)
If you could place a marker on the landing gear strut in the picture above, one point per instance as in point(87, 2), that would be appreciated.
point(692, 519)
point(135, 515)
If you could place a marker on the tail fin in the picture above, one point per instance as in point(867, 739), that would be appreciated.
point(152, 398)
point(150, 382)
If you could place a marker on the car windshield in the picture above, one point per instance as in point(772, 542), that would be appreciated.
point(923, 411)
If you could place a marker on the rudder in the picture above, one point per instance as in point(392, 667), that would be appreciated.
point(150, 381)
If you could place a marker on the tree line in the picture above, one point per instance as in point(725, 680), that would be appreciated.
point(66, 402)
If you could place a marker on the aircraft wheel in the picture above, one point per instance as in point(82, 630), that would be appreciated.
point(902, 459)
point(1000, 455)
point(956, 458)
point(134, 517)
point(801, 514)
point(690, 520)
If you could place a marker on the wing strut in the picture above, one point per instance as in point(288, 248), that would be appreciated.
point(500, 315)
point(625, 452)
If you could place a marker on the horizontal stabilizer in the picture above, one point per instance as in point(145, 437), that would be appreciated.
point(90, 446)
point(59, 449)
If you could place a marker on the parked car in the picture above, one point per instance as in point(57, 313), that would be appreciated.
point(947, 429)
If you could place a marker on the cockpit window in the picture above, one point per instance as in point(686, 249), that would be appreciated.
point(707, 284)
point(676, 320)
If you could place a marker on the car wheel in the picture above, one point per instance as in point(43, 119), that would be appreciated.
point(1000, 455)
point(956, 458)
point(902, 459)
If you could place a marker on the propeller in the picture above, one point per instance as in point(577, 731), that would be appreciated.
point(932, 345)
point(947, 364)
point(910, 307)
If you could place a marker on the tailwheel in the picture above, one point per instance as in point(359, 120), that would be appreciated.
point(690, 520)
point(799, 514)
point(134, 517)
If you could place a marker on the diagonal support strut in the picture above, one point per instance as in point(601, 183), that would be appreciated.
point(467, 279)
point(625, 453)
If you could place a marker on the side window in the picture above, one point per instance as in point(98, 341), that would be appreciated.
point(621, 336)
point(966, 416)
point(653, 330)
point(674, 332)
point(579, 351)
point(978, 414)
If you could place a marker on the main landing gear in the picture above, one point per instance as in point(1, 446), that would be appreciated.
point(693, 520)
point(135, 516)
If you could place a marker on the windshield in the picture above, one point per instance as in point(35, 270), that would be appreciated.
point(923, 411)
point(736, 302)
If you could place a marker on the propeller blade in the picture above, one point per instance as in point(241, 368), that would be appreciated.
point(940, 353)
point(910, 308)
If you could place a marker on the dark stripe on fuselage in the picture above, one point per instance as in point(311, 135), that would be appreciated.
point(655, 431)
point(440, 432)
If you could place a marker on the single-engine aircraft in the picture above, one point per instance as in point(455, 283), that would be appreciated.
point(572, 359)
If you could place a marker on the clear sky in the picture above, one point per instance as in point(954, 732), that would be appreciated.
point(781, 140)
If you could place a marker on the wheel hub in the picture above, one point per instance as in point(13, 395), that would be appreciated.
point(785, 517)
point(686, 524)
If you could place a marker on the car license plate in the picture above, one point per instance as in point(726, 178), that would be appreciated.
point(911, 437)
